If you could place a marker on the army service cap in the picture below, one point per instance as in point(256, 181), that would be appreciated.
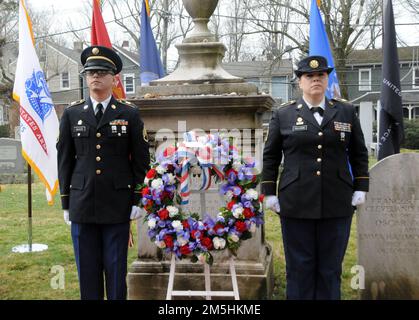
point(312, 64)
point(100, 58)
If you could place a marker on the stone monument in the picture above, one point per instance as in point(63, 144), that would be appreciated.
point(11, 162)
point(201, 94)
point(388, 230)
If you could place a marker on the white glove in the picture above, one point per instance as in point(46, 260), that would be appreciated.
point(272, 202)
point(358, 198)
point(67, 217)
point(135, 213)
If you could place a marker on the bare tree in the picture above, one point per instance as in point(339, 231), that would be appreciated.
point(8, 34)
point(347, 24)
point(411, 5)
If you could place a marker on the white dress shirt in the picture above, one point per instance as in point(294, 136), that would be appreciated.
point(316, 115)
point(104, 104)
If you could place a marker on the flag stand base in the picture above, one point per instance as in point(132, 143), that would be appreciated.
point(24, 248)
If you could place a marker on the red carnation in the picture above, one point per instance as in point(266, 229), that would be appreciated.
point(164, 214)
point(248, 213)
point(185, 224)
point(149, 204)
point(165, 195)
point(261, 197)
point(217, 227)
point(231, 204)
point(240, 226)
point(151, 174)
point(206, 242)
point(145, 191)
point(185, 250)
point(168, 240)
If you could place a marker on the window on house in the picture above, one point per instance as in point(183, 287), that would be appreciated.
point(280, 88)
point(415, 78)
point(129, 83)
point(364, 79)
point(65, 80)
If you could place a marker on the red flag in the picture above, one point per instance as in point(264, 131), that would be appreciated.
point(100, 37)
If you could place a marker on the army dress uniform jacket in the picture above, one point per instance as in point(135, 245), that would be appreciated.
point(99, 165)
point(316, 180)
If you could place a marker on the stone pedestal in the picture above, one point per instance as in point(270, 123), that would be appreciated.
point(170, 117)
point(200, 95)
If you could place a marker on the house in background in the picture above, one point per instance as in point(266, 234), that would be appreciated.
point(62, 68)
point(271, 77)
point(364, 76)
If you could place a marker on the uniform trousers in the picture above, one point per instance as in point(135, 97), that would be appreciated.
point(101, 252)
point(314, 252)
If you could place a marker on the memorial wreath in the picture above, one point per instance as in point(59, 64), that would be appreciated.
point(166, 190)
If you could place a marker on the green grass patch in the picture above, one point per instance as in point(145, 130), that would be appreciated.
point(28, 276)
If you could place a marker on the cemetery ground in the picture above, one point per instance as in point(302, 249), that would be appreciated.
point(30, 275)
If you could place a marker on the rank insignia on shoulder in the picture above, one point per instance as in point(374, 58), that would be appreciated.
point(287, 103)
point(340, 100)
point(76, 102)
point(125, 102)
point(145, 135)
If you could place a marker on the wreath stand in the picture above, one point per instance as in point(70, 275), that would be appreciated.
point(208, 293)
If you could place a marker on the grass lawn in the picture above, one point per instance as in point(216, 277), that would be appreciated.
point(28, 276)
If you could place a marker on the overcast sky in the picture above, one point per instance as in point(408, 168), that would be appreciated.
point(70, 9)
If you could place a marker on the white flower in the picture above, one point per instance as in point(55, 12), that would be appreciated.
point(234, 237)
point(177, 225)
point(182, 241)
point(228, 196)
point(160, 170)
point(219, 243)
point(238, 212)
point(252, 228)
point(156, 183)
point(173, 211)
point(160, 244)
point(252, 193)
point(146, 180)
point(172, 178)
point(152, 223)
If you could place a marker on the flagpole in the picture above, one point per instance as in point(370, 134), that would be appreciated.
point(29, 247)
point(30, 207)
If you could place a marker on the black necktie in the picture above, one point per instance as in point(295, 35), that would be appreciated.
point(99, 112)
point(317, 109)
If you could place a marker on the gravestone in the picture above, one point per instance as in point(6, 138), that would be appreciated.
point(11, 160)
point(388, 230)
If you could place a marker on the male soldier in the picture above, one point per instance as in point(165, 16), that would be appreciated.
point(102, 155)
point(325, 174)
